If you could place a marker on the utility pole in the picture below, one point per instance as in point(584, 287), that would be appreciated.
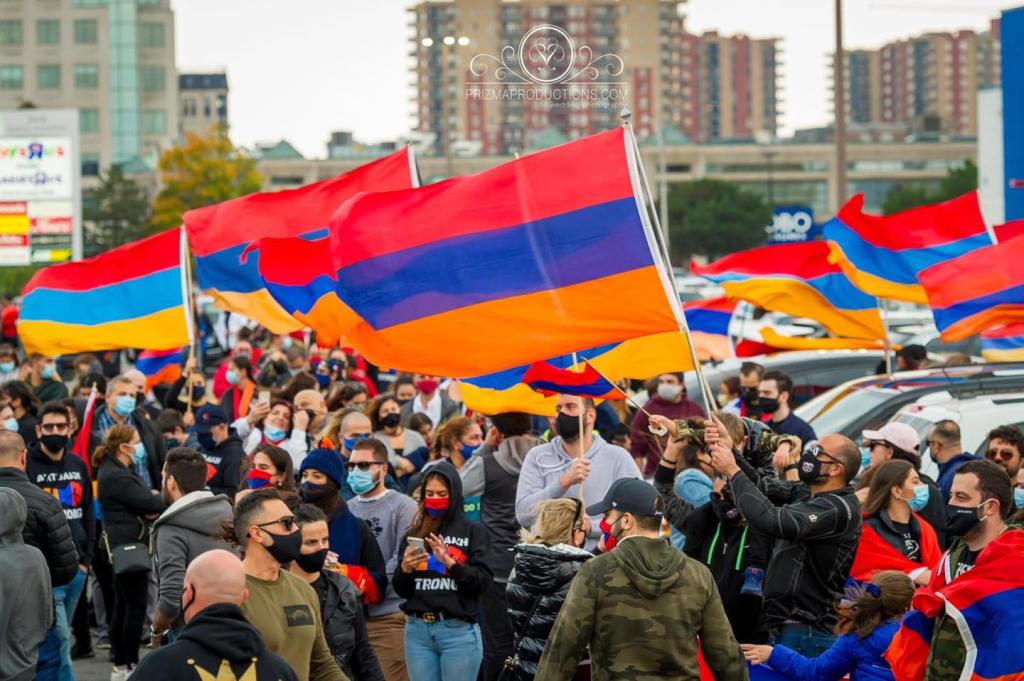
point(840, 113)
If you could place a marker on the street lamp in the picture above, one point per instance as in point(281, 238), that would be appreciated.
point(446, 42)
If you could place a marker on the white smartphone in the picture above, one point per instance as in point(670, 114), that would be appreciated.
point(264, 396)
point(418, 544)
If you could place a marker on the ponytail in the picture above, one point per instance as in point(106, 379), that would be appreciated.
point(885, 598)
point(448, 436)
point(118, 435)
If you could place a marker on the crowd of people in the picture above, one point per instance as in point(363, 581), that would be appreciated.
point(295, 513)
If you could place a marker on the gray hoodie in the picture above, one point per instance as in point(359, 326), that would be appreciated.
point(189, 526)
point(26, 600)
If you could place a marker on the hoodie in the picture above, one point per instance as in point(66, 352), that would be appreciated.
point(667, 600)
point(68, 481)
point(455, 592)
point(217, 644)
point(187, 528)
point(26, 602)
point(861, 659)
point(225, 466)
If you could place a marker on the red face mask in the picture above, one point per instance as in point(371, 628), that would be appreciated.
point(435, 506)
point(427, 385)
point(609, 540)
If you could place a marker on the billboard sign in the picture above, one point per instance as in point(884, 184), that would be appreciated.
point(1011, 32)
point(792, 224)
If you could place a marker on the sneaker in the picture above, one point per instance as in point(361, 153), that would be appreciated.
point(753, 579)
point(119, 674)
point(103, 643)
point(82, 653)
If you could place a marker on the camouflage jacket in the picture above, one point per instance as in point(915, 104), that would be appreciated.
point(640, 609)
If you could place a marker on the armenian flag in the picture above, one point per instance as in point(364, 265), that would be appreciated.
point(218, 234)
point(883, 256)
point(159, 366)
point(534, 258)
point(992, 592)
point(798, 279)
point(1003, 343)
point(977, 291)
point(548, 380)
point(708, 321)
point(129, 297)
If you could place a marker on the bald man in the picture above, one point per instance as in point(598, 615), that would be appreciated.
point(311, 400)
point(147, 407)
point(217, 637)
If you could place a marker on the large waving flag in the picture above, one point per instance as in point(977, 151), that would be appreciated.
point(1003, 343)
point(882, 256)
point(709, 321)
point(534, 258)
point(977, 291)
point(132, 296)
point(798, 279)
point(218, 234)
point(985, 603)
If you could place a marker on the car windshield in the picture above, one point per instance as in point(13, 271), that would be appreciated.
point(837, 417)
point(818, 405)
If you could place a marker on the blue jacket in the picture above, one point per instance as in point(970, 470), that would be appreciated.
point(948, 470)
point(849, 655)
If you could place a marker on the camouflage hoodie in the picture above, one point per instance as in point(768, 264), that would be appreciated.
point(640, 609)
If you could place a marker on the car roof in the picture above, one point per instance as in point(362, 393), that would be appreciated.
point(922, 378)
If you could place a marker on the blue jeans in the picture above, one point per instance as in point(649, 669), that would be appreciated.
point(803, 638)
point(449, 650)
point(55, 651)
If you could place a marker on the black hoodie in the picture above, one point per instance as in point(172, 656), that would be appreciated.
point(456, 592)
point(225, 461)
point(216, 638)
point(69, 482)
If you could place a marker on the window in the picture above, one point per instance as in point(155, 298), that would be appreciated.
point(154, 122)
point(48, 76)
point(189, 107)
point(151, 35)
point(85, 32)
point(48, 32)
point(90, 164)
point(87, 76)
point(10, 32)
point(11, 78)
point(153, 78)
point(88, 120)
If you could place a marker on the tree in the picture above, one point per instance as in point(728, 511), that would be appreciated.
point(905, 197)
point(117, 213)
point(205, 170)
point(711, 217)
point(957, 182)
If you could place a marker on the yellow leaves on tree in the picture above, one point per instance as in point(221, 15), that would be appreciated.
point(205, 170)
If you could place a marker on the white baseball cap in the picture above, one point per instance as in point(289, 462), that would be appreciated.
point(897, 434)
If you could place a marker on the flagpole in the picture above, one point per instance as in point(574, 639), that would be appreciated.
point(626, 116)
point(188, 301)
point(888, 337)
point(624, 393)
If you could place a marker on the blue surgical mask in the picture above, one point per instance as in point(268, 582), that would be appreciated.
point(865, 458)
point(350, 442)
point(920, 500)
point(694, 487)
point(468, 451)
point(140, 453)
point(124, 405)
point(48, 371)
point(11, 425)
point(323, 380)
point(1018, 498)
point(6, 367)
point(273, 433)
point(231, 376)
point(361, 481)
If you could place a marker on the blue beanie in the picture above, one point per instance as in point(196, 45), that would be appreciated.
point(328, 462)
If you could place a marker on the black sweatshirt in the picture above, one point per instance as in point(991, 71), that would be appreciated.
point(67, 480)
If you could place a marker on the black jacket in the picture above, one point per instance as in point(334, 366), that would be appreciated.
point(152, 439)
point(536, 590)
point(124, 500)
point(226, 459)
point(341, 611)
point(219, 635)
point(46, 527)
point(69, 482)
point(815, 541)
point(454, 593)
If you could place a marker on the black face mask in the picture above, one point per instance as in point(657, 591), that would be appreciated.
point(312, 562)
point(198, 394)
point(724, 509)
point(206, 441)
point(768, 405)
point(185, 606)
point(403, 402)
point(749, 396)
point(310, 492)
point(962, 519)
point(391, 420)
point(809, 468)
point(285, 547)
point(54, 443)
point(567, 426)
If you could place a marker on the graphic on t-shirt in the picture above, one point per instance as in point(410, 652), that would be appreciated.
point(298, 616)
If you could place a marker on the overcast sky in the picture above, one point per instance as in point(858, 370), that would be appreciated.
point(299, 69)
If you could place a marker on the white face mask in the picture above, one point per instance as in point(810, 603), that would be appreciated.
point(667, 391)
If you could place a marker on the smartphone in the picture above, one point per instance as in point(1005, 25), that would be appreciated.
point(264, 396)
point(418, 544)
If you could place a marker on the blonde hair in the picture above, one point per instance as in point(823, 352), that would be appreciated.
point(332, 428)
point(557, 521)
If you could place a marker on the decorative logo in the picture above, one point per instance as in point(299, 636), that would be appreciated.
point(547, 55)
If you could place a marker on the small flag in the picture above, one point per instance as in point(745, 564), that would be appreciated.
point(550, 380)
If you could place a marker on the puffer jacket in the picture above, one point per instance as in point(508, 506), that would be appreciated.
point(46, 527)
point(345, 629)
point(861, 659)
point(536, 590)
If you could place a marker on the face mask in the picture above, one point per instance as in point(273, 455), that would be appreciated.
point(610, 540)
point(427, 386)
point(920, 499)
point(198, 394)
point(323, 380)
point(435, 506)
point(139, 455)
point(962, 519)
point(48, 371)
point(769, 405)
point(724, 509)
point(865, 458)
point(391, 420)
point(1018, 498)
point(468, 451)
point(694, 487)
point(273, 433)
point(567, 426)
point(404, 402)
point(285, 547)
point(257, 479)
point(750, 396)
point(231, 376)
point(286, 342)
point(312, 492)
point(669, 392)
point(54, 443)
point(124, 405)
point(312, 562)
point(185, 606)
point(11, 425)
point(361, 481)
point(206, 441)
point(6, 367)
point(810, 469)
point(350, 442)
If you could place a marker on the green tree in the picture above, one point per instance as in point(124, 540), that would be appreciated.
point(904, 198)
point(711, 217)
point(117, 213)
point(957, 182)
point(203, 171)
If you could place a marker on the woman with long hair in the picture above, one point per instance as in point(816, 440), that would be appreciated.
point(455, 441)
point(545, 565)
point(443, 573)
point(402, 443)
point(282, 427)
point(351, 395)
point(863, 638)
point(238, 399)
point(270, 466)
point(128, 506)
point(895, 536)
point(25, 406)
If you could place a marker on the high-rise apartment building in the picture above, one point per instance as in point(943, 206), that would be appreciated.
point(113, 60)
point(494, 86)
point(928, 82)
point(203, 102)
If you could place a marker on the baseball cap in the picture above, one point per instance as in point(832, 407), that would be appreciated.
point(209, 416)
point(897, 434)
point(628, 495)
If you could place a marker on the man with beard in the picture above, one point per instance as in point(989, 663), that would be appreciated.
point(748, 403)
point(577, 465)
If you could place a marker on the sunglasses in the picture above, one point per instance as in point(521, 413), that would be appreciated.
point(287, 522)
point(1001, 454)
point(815, 449)
point(53, 427)
point(362, 465)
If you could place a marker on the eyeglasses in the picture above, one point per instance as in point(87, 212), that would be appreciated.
point(53, 427)
point(362, 465)
point(287, 522)
point(815, 449)
point(1001, 454)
